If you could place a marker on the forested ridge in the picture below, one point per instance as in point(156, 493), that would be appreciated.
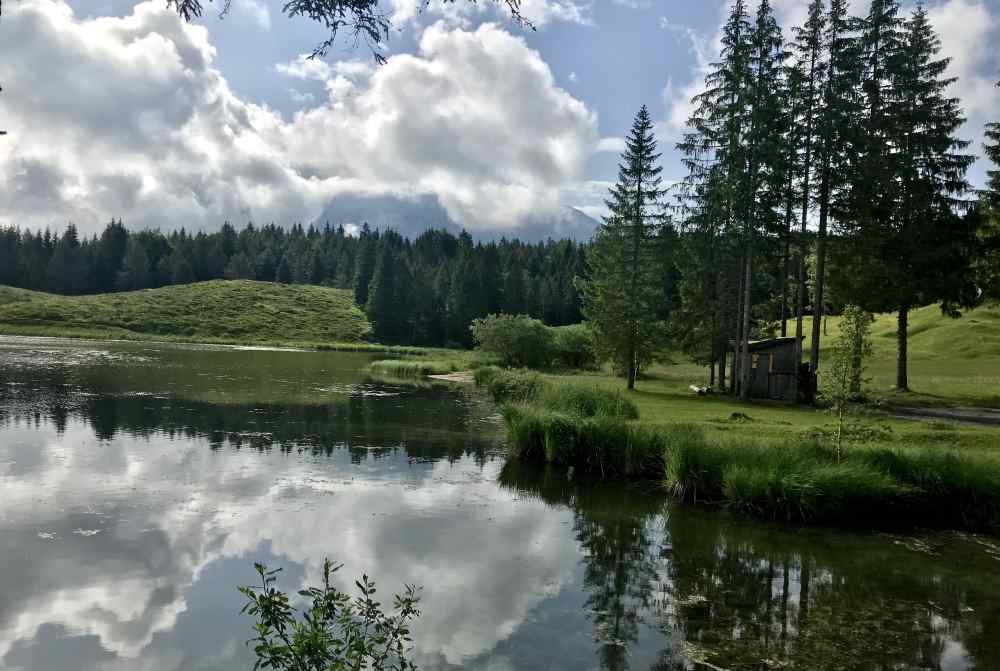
point(424, 291)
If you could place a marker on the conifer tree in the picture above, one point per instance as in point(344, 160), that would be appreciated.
point(992, 148)
point(364, 264)
point(762, 189)
point(840, 121)
point(622, 294)
point(388, 295)
point(908, 246)
point(810, 73)
point(714, 156)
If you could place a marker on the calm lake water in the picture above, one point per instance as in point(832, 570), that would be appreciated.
point(139, 482)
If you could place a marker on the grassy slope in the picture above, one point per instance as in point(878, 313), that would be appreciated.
point(220, 311)
point(950, 360)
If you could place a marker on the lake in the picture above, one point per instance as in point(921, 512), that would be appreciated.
point(139, 483)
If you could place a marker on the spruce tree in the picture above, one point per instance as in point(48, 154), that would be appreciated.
point(908, 246)
point(389, 306)
point(992, 148)
point(622, 295)
point(365, 264)
point(839, 123)
point(761, 191)
point(714, 155)
point(810, 72)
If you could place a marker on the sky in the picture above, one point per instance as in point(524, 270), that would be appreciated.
point(117, 109)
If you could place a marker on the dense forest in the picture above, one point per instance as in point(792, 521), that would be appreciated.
point(424, 291)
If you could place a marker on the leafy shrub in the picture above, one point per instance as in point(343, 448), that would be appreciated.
point(516, 340)
point(574, 346)
point(334, 632)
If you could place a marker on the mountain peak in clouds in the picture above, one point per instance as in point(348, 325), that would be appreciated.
point(411, 216)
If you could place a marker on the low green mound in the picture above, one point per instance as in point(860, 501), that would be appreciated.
point(239, 311)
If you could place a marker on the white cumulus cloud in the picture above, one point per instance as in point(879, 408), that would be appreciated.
point(129, 117)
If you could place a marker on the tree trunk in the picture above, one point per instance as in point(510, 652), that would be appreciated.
point(722, 371)
point(824, 207)
point(737, 376)
point(711, 374)
point(745, 365)
point(785, 266)
point(902, 384)
point(805, 577)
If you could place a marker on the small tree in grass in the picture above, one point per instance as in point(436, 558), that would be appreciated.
point(335, 632)
point(845, 377)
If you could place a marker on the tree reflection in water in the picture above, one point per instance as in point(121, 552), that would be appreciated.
point(729, 593)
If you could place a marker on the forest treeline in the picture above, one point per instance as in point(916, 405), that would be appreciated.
point(424, 291)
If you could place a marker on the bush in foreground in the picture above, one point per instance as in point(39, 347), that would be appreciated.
point(334, 631)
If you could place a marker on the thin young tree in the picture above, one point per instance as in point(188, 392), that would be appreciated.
point(850, 352)
point(622, 294)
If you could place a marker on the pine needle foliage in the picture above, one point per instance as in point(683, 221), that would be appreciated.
point(622, 296)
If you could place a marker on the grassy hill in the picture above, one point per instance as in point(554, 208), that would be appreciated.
point(949, 359)
point(239, 311)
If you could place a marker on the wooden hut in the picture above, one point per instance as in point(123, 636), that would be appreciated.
point(773, 371)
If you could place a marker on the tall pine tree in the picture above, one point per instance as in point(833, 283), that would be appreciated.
point(622, 295)
point(992, 148)
point(810, 70)
point(908, 246)
point(839, 124)
point(714, 155)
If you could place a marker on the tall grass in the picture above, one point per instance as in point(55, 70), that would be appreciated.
point(410, 368)
point(585, 401)
point(805, 482)
point(601, 445)
point(508, 385)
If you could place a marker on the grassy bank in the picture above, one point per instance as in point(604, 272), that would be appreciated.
point(232, 312)
point(771, 461)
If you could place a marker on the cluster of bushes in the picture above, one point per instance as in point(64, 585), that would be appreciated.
point(520, 341)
